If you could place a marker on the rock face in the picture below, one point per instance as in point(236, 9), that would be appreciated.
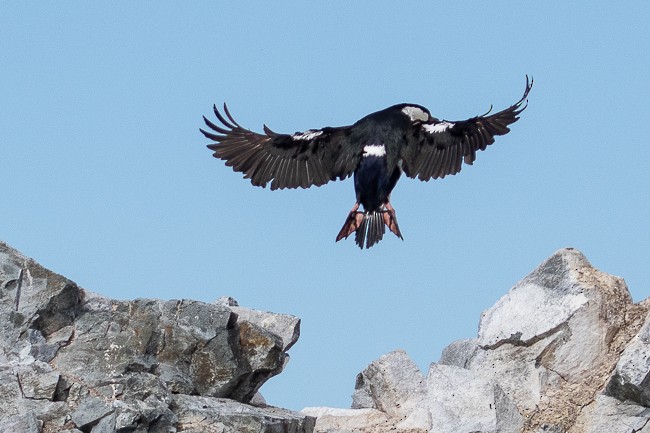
point(72, 360)
point(564, 351)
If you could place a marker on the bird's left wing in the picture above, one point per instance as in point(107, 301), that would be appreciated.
point(313, 157)
point(436, 148)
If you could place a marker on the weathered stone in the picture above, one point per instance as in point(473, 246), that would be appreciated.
point(459, 353)
point(551, 341)
point(106, 424)
point(550, 295)
point(631, 377)
point(203, 414)
point(450, 399)
point(509, 420)
point(609, 415)
point(258, 400)
point(460, 401)
point(12, 401)
point(23, 423)
point(543, 354)
point(90, 411)
point(394, 385)
point(333, 420)
point(72, 359)
point(283, 325)
point(39, 381)
point(227, 301)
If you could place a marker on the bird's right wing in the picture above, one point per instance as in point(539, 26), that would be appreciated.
point(313, 157)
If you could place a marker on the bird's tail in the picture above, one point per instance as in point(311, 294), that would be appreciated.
point(369, 227)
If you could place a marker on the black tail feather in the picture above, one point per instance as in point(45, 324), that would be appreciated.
point(371, 230)
point(369, 226)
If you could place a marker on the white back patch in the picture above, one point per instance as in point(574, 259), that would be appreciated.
point(374, 150)
point(307, 135)
point(415, 113)
point(438, 127)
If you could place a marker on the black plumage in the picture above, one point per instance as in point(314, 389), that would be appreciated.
point(376, 149)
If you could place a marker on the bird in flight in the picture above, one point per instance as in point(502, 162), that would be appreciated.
point(377, 149)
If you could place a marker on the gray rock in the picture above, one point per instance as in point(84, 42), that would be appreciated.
point(227, 301)
point(554, 329)
point(394, 385)
point(449, 399)
point(389, 383)
point(23, 423)
point(258, 400)
point(38, 381)
point(459, 353)
point(72, 359)
point(543, 355)
point(12, 399)
point(105, 424)
point(541, 303)
point(201, 414)
point(90, 411)
point(283, 325)
point(630, 379)
point(460, 401)
point(607, 414)
point(334, 420)
point(509, 420)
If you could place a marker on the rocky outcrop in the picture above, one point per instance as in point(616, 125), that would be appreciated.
point(72, 360)
point(565, 350)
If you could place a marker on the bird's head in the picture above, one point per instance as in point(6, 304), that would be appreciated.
point(416, 113)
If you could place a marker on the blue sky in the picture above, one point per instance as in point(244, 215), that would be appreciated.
point(106, 178)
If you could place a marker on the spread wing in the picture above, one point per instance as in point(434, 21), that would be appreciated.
point(313, 157)
point(437, 148)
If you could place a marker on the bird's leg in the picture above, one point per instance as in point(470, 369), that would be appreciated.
point(352, 223)
point(390, 219)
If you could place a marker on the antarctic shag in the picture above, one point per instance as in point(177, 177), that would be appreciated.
point(377, 149)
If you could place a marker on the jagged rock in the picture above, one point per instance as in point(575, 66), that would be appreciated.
point(37, 381)
point(283, 325)
point(334, 420)
point(459, 353)
point(23, 423)
point(557, 324)
point(609, 415)
point(460, 400)
point(394, 385)
point(542, 358)
point(450, 399)
point(72, 359)
point(551, 342)
point(90, 411)
point(201, 414)
point(631, 377)
point(258, 400)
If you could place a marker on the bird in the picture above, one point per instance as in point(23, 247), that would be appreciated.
point(375, 150)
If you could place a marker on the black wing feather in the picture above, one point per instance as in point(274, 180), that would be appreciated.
point(286, 161)
point(433, 151)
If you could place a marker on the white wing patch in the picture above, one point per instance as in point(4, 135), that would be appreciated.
point(415, 113)
point(374, 150)
point(307, 135)
point(438, 127)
